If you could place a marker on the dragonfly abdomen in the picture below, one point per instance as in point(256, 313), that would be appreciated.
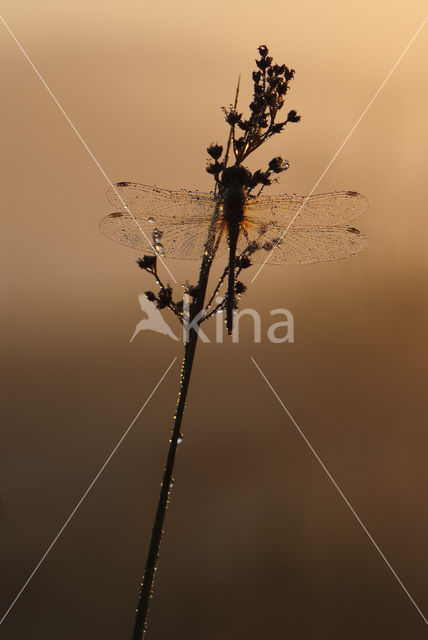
point(234, 197)
point(233, 215)
point(233, 232)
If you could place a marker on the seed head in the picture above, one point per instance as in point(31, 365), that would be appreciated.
point(277, 165)
point(292, 116)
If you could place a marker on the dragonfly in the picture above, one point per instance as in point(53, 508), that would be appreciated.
point(286, 229)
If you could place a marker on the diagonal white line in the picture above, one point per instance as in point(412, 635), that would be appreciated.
point(393, 68)
point(38, 74)
point(339, 490)
point(84, 495)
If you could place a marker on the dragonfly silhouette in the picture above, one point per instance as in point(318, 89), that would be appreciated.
point(177, 224)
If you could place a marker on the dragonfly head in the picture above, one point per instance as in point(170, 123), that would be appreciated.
point(236, 176)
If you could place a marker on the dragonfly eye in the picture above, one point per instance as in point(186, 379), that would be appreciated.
point(235, 176)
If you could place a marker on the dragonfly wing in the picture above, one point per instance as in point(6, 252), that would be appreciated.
point(309, 244)
point(178, 221)
point(185, 239)
point(160, 204)
point(308, 229)
point(326, 209)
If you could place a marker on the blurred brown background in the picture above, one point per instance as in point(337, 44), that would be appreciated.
point(259, 544)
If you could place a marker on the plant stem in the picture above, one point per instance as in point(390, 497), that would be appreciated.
point(140, 626)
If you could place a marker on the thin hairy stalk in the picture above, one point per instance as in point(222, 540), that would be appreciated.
point(196, 307)
point(219, 283)
point(232, 126)
point(270, 83)
point(172, 304)
point(220, 305)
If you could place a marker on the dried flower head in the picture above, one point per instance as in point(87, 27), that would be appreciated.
point(191, 290)
point(240, 287)
point(164, 297)
point(215, 151)
point(270, 84)
point(148, 263)
point(243, 262)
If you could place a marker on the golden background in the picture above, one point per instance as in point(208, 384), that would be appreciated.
point(259, 544)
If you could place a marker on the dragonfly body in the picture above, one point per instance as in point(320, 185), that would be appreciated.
point(283, 229)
